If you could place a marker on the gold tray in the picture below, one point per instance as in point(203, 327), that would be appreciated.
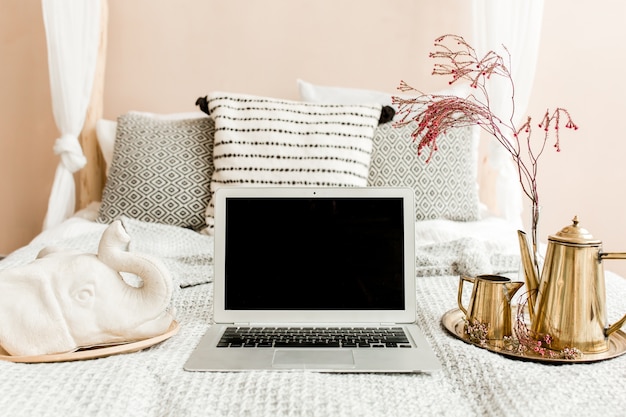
point(94, 352)
point(453, 321)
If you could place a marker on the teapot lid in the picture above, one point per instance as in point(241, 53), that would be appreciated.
point(575, 234)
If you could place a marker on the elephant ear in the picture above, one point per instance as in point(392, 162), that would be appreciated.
point(31, 319)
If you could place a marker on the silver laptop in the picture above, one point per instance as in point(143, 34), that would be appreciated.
point(318, 279)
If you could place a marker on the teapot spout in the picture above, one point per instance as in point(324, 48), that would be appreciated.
point(530, 273)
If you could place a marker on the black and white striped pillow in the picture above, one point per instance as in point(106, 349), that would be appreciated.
point(262, 141)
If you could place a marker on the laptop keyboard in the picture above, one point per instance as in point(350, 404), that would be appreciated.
point(303, 337)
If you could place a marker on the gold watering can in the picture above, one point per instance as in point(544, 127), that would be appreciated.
point(490, 303)
point(568, 302)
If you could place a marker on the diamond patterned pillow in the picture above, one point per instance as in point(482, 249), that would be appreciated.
point(160, 171)
point(262, 141)
point(445, 187)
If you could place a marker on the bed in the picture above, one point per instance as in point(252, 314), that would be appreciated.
point(455, 234)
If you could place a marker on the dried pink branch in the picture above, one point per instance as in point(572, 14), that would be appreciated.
point(434, 114)
point(524, 341)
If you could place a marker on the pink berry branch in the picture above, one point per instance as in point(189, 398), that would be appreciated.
point(434, 114)
point(540, 345)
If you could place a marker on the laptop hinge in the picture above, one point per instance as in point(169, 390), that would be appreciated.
point(250, 324)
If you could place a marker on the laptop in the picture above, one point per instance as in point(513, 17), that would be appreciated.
point(315, 279)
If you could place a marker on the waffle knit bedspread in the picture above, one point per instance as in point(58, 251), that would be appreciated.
point(473, 381)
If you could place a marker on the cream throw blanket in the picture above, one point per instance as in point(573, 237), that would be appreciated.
point(442, 248)
point(473, 381)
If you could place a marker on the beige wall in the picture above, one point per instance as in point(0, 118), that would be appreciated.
point(579, 67)
point(186, 48)
point(27, 129)
point(162, 55)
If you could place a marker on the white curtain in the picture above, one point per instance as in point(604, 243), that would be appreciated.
point(517, 25)
point(72, 34)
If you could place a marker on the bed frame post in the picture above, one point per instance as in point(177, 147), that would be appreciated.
point(92, 177)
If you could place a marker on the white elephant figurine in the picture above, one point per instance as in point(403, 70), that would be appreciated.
point(65, 300)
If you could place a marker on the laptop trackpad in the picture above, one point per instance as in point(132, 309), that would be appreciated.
point(313, 359)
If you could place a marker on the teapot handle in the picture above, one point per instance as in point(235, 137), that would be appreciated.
point(460, 292)
point(617, 325)
point(612, 255)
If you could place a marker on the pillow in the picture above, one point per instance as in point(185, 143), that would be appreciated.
point(342, 95)
point(105, 130)
point(160, 171)
point(263, 141)
point(446, 186)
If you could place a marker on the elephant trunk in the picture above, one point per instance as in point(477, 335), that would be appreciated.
point(152, 298)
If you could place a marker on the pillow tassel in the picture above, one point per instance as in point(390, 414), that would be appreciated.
point(203, 103)
point(386, 115)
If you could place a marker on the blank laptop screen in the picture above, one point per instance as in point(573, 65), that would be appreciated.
point(314, 253)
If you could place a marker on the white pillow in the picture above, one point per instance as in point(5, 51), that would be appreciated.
point(341, 95)
point(105, 130)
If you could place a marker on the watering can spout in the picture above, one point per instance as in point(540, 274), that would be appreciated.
point(512, 288)
point(530, 273)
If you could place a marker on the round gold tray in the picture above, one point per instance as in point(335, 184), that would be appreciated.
point(94, 352)
point(454, 323)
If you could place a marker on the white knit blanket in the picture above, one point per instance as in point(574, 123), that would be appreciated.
point(473, 381)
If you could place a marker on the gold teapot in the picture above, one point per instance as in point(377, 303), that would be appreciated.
point(568, 302)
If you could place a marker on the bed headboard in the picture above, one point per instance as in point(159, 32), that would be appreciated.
point(91, 179)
